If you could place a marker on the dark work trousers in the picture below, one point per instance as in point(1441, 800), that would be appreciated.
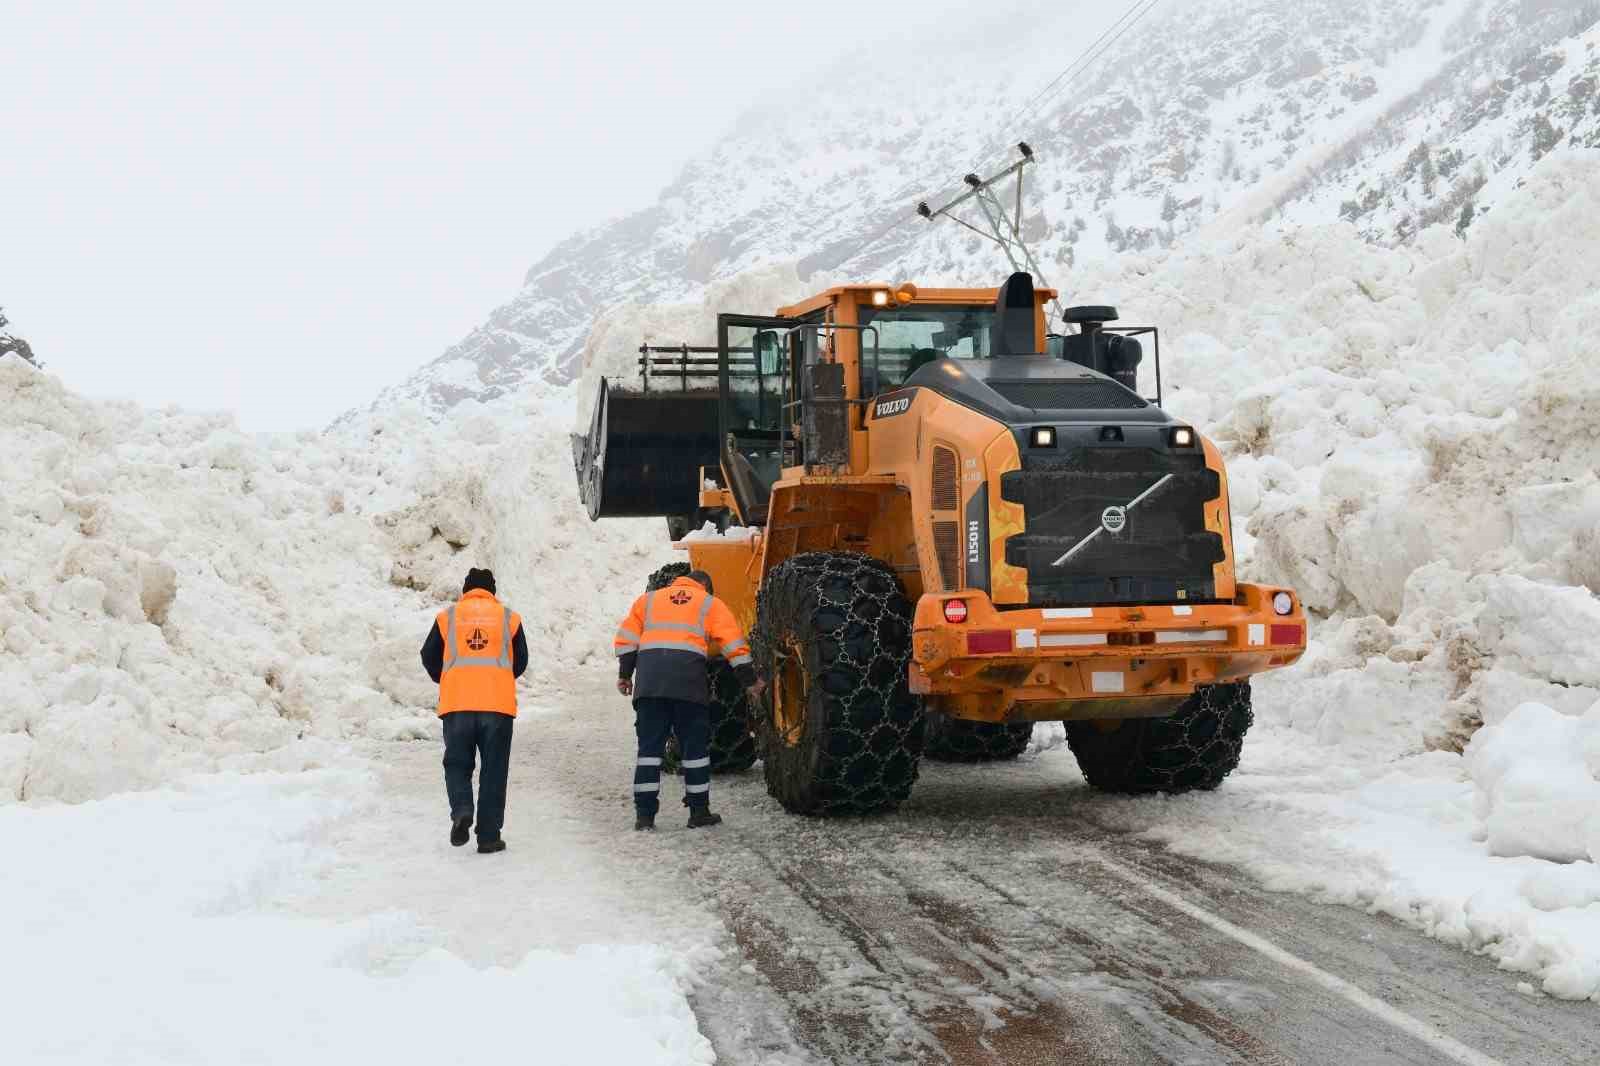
point(655, 720)
point(489, 735)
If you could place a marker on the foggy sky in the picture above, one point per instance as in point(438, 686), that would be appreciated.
point(279, 209)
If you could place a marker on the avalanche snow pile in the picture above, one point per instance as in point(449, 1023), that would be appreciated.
point(1411, 438)
point(176, 596)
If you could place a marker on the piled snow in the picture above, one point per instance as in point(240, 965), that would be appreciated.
point(159, 919)
point(176, 596)
point(611, 349)
point(1537, 781)
point(1411, 443)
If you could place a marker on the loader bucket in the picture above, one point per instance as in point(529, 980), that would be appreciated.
point(644, 450)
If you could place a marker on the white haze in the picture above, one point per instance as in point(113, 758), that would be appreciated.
point(278, 210)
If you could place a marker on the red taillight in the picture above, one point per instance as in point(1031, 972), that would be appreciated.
point(955, 611)
point(988, 641)
point(1286, 634)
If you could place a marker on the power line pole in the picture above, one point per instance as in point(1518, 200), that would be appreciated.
point(1000, 225)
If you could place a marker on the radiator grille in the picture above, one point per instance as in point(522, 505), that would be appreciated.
point(1114, 525)
point(947, 546)
point(1074, 394)
point(946, 483)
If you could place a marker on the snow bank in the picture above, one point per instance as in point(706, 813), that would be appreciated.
point(1537, 780)
point(1411, 443)
point(158, 910)
point(612, 347)
point(176, 596)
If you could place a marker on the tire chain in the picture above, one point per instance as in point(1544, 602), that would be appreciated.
point(733, 747)
point(860, 622)
point(1194, 748)
point(959, 740)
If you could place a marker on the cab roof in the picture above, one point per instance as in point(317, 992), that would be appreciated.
point(976, 297)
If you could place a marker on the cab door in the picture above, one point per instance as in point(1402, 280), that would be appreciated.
point(755, 369)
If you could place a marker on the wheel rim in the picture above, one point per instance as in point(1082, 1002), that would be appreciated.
point(789, 697)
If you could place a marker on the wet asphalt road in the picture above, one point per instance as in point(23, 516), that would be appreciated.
point(986, 922)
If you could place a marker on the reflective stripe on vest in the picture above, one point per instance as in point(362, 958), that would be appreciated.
point(472, 676)
point(503, 661)
point(697, 628)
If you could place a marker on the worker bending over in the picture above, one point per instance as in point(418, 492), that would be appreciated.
point(475, 653)
point(666, 638)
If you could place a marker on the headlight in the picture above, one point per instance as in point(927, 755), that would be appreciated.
point(1183, 437)
point(1044, 437)
point(1283, 603)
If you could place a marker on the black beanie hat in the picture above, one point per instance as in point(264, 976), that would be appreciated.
point(478, 579)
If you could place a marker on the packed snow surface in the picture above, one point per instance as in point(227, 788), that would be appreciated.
point(1411, 445)
point(158, 914)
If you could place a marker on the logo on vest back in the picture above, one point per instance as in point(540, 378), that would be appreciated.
point(477, 641)
point(681, 597)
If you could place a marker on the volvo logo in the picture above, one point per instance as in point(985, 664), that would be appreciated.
point(1113, 520)
point(889, 408)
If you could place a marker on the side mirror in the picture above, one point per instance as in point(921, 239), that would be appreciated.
point(769, 352)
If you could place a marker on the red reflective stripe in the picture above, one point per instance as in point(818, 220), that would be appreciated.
point(1285, 634)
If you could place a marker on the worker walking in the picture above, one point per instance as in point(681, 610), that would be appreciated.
point(666, 638)
point(475, 653)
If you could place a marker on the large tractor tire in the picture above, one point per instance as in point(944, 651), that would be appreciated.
point(733, 746)
point(958, 740)
point(840, 732)
point(1193, 748)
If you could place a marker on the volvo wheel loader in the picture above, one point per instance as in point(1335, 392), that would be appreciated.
point(940, 524)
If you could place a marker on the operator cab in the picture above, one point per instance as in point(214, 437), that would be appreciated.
point(794, 386)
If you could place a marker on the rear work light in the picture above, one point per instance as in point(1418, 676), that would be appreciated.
point(1183, 437)
point(984, 641)
point(955, 611)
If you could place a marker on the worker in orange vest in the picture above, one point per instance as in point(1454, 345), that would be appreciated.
point(475, 653)
point(666, 639)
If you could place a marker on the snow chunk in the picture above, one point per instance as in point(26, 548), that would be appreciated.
point(1536, 778)
point(708, 532)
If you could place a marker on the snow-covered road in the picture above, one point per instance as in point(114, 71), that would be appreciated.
point(996, 918)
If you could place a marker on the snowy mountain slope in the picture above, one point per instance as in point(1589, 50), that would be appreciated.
point(1241, 108)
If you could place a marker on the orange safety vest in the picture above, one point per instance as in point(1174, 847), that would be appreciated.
point(682, 617)
point(477, 656)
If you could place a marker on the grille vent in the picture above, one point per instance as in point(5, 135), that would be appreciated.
point(946, 485)
point(1077, 394)
point(947, 546)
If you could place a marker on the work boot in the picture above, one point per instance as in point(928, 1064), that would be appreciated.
point(489, 847)
point(699, 817)
point(460, 829)
point(644, 822)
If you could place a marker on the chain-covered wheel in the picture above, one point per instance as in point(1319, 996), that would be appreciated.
point(841, 732)
point(959, 740)
point(733, 746)
point(1193, 748)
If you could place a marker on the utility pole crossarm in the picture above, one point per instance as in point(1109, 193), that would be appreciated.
point(999, 225)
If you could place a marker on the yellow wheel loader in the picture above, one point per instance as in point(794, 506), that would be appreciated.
point(940, 524)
